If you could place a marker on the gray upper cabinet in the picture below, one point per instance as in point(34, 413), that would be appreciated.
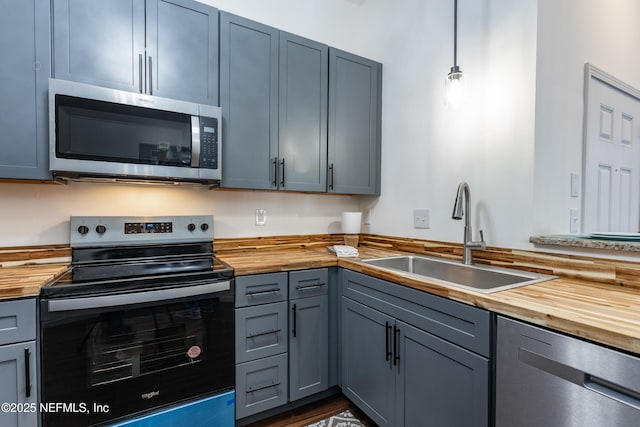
point(24, 69)
point(355, 86)
point(157, 47)
point(249, 101)
point(303, 114)
point(273, 89)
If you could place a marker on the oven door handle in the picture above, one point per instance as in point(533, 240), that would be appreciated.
point(83, 303)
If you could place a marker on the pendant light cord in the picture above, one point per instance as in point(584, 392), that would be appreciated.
point(455, 34)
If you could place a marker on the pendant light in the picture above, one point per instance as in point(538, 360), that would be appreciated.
point(453, 83)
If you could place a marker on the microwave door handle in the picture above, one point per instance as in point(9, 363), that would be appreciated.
point(140, 71)
point(195, 141)
point(150, 76)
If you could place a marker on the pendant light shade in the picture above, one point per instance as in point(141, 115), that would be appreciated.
point(453, 83)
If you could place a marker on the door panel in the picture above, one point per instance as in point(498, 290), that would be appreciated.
point(612, 165)
point(182, 48)
point(249, 98)
point(308, 356)
point(368, 377)
point(99, 42)
point(440, 384)
point(303, 113)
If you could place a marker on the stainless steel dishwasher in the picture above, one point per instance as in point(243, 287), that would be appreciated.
point(544, 378)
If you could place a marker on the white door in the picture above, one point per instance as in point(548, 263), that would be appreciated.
point(612, 160)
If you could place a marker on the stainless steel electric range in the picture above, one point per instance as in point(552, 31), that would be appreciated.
point(141, 323)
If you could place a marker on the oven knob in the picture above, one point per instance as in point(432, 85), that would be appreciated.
point(101, 229)
point(204, 227)
point(83, 229)
point(191, 227)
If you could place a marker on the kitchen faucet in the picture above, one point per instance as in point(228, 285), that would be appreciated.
point(458, 212)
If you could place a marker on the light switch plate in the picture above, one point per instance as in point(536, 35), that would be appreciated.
point(575, 185)
point(574, 220)
point(421, 218)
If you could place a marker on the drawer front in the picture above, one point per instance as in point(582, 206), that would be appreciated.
point(461, 324)
point(261, 331)
point(261, 385)
point(261, 289)
point(308, 283)
point(17, 321)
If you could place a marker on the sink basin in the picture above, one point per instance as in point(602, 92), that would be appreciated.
point(474, 277)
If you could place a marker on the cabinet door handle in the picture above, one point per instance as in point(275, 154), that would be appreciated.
point(275, 172)
point(295, 320)
point(150, 77)
point(261, 334)
point(267, 291)
point(262, 387)
point(387, 349)
point(306, 288)
point(27, 372)
point(396, 343)
point(331, 176)
point(282, 177)
point(140, 65)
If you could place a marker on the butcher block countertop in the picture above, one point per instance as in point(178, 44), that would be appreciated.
point(595, 299)
point(604, 313)
point(26, 280)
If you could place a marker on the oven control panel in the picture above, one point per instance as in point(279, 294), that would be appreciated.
point(120, 230)
point(147, 227)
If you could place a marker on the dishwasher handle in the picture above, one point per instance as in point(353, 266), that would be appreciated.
point(576, 376)
point(613, 391)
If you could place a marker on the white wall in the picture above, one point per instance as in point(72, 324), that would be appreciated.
point(572, 32)
point(490, 142)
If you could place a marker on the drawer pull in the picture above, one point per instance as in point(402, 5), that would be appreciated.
point(262, 387)
point(268, 291)
point(259, 334)
point(306, 288)
point(27, 372)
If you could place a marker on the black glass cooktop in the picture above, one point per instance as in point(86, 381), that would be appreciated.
point(137, 268)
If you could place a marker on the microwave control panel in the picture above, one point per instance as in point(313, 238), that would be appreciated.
point(209, 142)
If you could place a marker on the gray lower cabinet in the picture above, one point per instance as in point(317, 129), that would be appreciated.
point(24, 71)
point(261, 323)
point(273, 88)
point(18, 363)
point(282, 338)
point(354, 145)
point(402, 360)
point(167, 48)
point(309, 333)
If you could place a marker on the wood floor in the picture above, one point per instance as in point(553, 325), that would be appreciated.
point(314, 412)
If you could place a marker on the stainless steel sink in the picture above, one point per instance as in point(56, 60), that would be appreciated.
point(474, 277)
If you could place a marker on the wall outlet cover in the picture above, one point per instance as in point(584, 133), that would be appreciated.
point(261, 217)
point(421, 218)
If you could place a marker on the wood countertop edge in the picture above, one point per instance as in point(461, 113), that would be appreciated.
point(518, 303)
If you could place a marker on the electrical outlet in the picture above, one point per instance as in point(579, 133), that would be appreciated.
point(261, 217)
point(366, 216)
point(421, 218)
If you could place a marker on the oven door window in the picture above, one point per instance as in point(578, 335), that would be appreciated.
point(137, 358)
point(97, 130)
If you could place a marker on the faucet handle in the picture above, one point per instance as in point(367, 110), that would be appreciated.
point(481, 236)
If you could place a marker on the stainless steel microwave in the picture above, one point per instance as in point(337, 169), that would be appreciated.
point(101, 133)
